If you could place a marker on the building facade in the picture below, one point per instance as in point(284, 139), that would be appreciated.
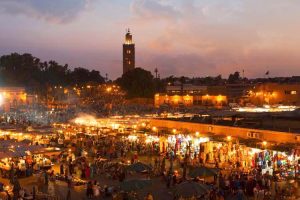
point(234, 92)
point(186, 89)
point(190, 100)
point(128, 53)
point(192, 95)
point(275, 93)
point(172, 100)
point(13, 98)
point(202, 95)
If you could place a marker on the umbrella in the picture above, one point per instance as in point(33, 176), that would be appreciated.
point(203, 172)
point(189, 188)
point(135, 184)
point(139, 167)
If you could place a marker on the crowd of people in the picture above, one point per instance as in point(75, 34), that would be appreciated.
point(90, 159)
point(111, 155)
point(256, 185)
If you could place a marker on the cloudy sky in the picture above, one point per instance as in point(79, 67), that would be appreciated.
point(179, 37)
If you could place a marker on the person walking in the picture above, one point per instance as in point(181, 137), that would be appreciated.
point(96, 190)
point(68, 194)
point(169, 179)
point(163, 165)
point(87, 172)
point(174, 178)
point(46, 177)
point(240, 194)
point(92, 170)
point(33, 193)
point(89, 190)
point(255, 192)
point(276, 187)
point(16, 188)
point(7, 195)
point(61, 169)
point(261, 194)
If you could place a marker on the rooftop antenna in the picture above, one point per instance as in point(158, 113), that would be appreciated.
point(243, 77)
point(156, 71)
point(243, 73)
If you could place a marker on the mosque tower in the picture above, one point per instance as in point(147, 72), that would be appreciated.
point(128, 53)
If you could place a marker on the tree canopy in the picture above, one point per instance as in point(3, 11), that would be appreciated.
point(137, 83)
point(28, 71)
point(234, 78)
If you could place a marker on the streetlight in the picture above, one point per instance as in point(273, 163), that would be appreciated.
point(229, 138)
point(108, 89)
point(174, 131)
point(155, 129)
point(197, 133)
point(264, 143)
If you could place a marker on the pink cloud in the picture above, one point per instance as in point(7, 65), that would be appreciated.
point(220, 35)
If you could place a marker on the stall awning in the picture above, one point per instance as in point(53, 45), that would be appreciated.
point(4, 155)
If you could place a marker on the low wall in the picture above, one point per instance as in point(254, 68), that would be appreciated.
point(267, 135)
point(140, 101)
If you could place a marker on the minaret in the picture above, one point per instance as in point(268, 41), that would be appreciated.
point(128, 53)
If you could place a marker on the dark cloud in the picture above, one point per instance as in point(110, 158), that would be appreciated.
point(154, 10)
point(55, 11)
point(212, 37)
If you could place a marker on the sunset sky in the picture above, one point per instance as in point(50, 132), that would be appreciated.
point(179, 37)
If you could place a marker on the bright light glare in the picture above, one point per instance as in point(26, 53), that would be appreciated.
point(1, 99)
point(86, 120)
point(266, 108)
